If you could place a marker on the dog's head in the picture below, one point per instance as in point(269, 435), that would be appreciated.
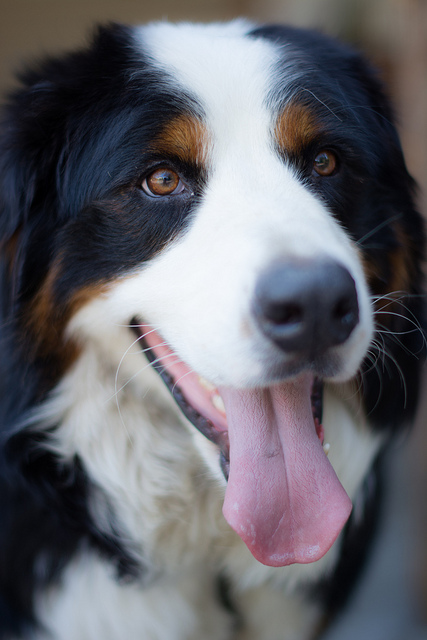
point(238, 197)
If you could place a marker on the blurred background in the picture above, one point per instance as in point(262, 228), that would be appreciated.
point(391, 601)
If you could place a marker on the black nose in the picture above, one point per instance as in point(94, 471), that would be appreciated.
point(307, 306)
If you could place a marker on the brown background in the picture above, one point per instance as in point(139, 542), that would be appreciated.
point(392, 602)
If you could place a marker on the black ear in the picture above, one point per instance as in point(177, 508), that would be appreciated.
point(391, 374)
point(55, 107)
point(30, 148)
point(394, 254)
point(33, 129)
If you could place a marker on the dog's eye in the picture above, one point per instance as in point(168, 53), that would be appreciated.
point(162, 182)
point(325, 163)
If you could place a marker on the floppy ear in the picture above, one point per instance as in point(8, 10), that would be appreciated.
point(31, 134)
point(393, 253)
point(56, 106)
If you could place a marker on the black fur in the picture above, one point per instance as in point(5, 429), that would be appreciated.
point(72, 160)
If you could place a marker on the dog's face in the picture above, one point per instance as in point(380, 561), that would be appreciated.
point(222, 197)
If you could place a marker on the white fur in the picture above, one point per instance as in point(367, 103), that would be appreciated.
point(92, 604)
point(115, 413)
point(138, 448)
point(255, 211)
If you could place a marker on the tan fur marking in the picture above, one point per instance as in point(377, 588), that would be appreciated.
point(296, 127)
point(47, 321)
point(186, 138)
point(401, 263)
point(401, 269)
point(10, 249)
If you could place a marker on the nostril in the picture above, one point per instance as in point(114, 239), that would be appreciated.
point(344, 311)
point(345, 316)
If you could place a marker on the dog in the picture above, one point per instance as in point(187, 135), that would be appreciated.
point(211, 312)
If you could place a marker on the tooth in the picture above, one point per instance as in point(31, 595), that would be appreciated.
point(218, 403)
point(326, 447)
point(206, 384)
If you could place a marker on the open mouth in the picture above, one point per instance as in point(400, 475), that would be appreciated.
point(283, 497)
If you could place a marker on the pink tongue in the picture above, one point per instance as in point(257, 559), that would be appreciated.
point(283, 497)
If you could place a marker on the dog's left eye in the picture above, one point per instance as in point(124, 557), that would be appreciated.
point(325, 163)
point(162, 182)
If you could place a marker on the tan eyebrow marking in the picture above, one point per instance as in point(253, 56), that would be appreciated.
point(184, 137)
point(296, 126)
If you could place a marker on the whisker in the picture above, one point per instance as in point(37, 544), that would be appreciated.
point(124, 424)
point(383, 224)
point(148, 364)
point(354, 107)
point(303, 89)
point(413, 320)
point(179, 379)
point(385, 354)
point(117, 390)
point(381, 328)
point(391, 297)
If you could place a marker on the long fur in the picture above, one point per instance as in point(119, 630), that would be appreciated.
point(110, 499)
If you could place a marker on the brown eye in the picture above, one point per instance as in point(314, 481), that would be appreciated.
point(162, 182)
point(325, 163)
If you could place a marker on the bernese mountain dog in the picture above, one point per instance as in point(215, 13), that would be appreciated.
point(211, 312)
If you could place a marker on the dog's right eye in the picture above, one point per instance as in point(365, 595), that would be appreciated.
point(162, 182)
